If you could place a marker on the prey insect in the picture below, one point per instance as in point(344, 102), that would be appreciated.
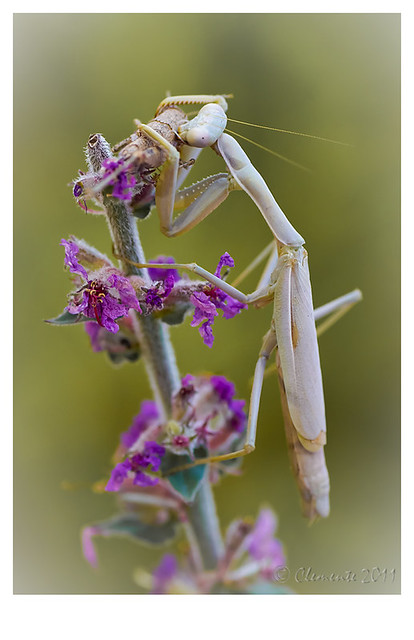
point(294, 338)
point(160, 154)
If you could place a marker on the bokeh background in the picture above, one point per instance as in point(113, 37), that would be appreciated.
point(336, 76)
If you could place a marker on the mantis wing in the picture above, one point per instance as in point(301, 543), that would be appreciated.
point(298, 347)
point(309, 467)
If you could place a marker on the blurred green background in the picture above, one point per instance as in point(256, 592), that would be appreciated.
point(336, 76)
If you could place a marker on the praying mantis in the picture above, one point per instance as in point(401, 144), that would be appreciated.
point(166, 148)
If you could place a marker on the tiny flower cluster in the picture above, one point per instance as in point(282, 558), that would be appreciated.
point(144, 454)
point(251, 552)
point(137, 465)
point(164, 281)
point(204, 413)
point(210, 300)
point(106, 295)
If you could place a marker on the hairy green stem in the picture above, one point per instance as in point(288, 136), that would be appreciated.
point(203, 518)
point(160, 362)
point(153, 335)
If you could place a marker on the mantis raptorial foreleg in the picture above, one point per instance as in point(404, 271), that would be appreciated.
point(207, 130)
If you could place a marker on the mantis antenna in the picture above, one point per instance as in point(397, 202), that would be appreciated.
point(274, 153)
point(294, 133)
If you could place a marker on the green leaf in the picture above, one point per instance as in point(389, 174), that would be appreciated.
point(130, 526)
point(142, 212)
point(176, 314)
point(119, 358)
point(68, 318)
point(186, 482)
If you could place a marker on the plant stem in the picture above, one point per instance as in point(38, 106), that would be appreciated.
point(163, 373)
point(153, 335)
point(204, 520)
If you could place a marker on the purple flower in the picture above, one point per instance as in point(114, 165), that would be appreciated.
point(105, 298)
point(164, 573)
point(223, 387)
point(225, 261)
point(77, 189)
point(71, 261)
point(164, 283)
point(208, 302)
point(141, 479)
point(158, 274)
point(237, 421)
point(120, 346)
point(93, 330)
point(263, 546)
point(181, 441)
point(225, 390)
point(88, 547)
point(208, 413)
point(148, 413)
point(118, 475)
point(150, 457)
point(121, 182)
point(157, 294)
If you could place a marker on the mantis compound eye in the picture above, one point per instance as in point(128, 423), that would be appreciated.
point(200, 137)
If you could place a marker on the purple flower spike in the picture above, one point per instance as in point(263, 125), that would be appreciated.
point(208, 302)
